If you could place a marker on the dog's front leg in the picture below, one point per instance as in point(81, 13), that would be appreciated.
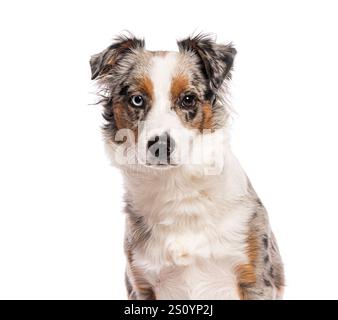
point(138, 287)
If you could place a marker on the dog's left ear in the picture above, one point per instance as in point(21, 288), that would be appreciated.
point(104, 62)
point(216, 59)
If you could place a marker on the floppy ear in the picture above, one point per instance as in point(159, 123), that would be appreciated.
point(216, 59)
point(102, 63)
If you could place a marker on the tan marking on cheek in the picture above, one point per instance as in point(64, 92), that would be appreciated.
point(122, 120)
point(246, 273)
point(178, 85)
point(146, 85)
point(204, 119)
point(120, 116)
point(207, 122)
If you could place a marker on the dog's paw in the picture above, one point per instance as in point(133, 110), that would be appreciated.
point(178, 255)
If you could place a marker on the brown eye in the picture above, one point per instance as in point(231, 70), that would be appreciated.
point(188, 101)
point(137, 101)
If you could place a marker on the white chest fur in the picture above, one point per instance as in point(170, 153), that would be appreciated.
point(195, 258)
point(198, 234)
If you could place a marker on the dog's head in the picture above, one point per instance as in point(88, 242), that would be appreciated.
point(158, 103)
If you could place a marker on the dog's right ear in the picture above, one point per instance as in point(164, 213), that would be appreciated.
point(102, 63)
point(215, 59)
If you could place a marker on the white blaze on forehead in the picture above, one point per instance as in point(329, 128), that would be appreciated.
point(161, 118)
point(162, 70)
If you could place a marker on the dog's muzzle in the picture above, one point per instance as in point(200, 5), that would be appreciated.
point(159, 149)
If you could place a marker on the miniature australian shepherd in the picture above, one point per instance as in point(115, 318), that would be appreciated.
point(195, 228)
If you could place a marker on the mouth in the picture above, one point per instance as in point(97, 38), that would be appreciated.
point(161, 166)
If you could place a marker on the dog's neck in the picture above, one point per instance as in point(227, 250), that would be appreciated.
point(153, 192)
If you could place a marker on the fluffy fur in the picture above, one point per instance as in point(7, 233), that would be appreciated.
point(194, 230)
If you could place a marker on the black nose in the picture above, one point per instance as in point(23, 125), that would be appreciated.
point(160, 148)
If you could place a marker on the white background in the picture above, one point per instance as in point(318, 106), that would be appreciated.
point(61, 226)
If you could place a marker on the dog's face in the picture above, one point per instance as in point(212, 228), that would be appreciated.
point(161, 101)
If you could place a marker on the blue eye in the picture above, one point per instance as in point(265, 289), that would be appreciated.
point(137, 101)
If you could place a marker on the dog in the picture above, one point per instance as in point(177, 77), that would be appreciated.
point(195, 228)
